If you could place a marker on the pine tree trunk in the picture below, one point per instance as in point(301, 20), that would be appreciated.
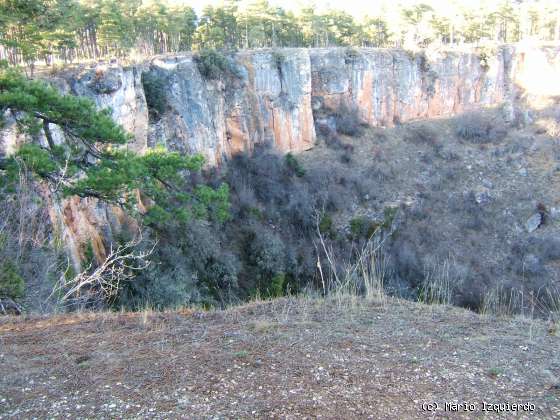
point(452, 34)
point(557, 27)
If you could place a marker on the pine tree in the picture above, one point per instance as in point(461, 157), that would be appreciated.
point(91, 163)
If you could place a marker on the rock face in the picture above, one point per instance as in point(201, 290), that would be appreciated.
point(268, 100)
point(119, 89)
point(271, 98)
point(86, 222)
point(272, 95)
point(390, 86)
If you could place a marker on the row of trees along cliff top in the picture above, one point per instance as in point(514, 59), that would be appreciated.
point(68, 30)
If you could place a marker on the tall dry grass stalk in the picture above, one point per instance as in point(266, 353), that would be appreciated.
point(502, 302)
point(506, 302)
point(437, 287)
point(546, 302)
point(364, 276)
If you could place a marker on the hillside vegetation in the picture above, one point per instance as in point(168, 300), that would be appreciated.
point(441, 211)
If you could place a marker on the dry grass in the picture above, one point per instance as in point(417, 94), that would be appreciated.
point(437, 287)
point(500, 301)
point(263, 325)
point(364, 276)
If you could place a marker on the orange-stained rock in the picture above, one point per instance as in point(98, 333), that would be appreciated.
point(265, 99)
point(84, 222)
point(389, 86)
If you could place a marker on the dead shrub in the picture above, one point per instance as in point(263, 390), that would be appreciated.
point(348, 120)
point(329, 136)
point(422, 135)
point(480, 128)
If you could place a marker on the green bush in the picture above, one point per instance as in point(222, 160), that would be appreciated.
point(363, 228)
point(267, 253)
point(154, 90)
point(326, 224)
point(358, 226)
point(158, 288)
point(294, 165)
point(188, 267)
point(276, 287)
point(389, 214)
point(214, 65)
point(11, 283)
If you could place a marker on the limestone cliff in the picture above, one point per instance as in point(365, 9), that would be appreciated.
point(389, 86)
point(272, 96)
point(271, 99)
point(268, 100)
point(119, 89)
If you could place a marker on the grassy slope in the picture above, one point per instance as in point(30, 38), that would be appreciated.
point(346, 358)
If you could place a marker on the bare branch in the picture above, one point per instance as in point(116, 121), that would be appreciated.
point(103, 283)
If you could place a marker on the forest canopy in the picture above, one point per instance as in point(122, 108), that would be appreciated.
point(69, 30)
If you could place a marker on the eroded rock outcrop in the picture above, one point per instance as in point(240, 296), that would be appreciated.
point(119, 89)
point(272, 95)
point(267, 100)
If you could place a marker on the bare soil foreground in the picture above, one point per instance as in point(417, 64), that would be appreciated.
point(288, 358)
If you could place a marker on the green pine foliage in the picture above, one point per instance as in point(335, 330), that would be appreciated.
point(11, 283)
point(213, 65)
point(41, 103)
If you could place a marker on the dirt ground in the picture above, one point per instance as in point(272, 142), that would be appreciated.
point(288, 358)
